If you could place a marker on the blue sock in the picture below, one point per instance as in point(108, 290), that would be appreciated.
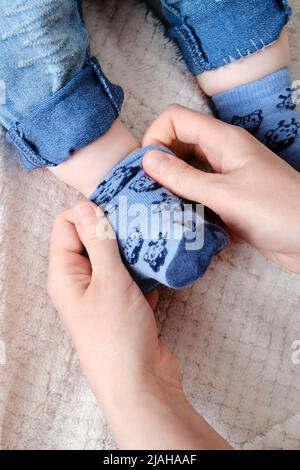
point(267, 109)
point(162, 239)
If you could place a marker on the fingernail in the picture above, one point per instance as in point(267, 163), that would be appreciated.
point(157, 161)
point(87, 214)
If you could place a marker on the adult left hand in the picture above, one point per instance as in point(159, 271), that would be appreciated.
point(133, 375)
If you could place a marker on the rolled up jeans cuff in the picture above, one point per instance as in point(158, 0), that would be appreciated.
point(76, 115)
point(214, 33)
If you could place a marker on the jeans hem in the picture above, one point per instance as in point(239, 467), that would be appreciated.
point(197, 58)
point(68, 120)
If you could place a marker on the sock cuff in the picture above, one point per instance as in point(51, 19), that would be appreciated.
point(123, 172)
point(262, 89)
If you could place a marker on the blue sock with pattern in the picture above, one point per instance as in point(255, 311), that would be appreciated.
point(162, 239)
point(267, 109)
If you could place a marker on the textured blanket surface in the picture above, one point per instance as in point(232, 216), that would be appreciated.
point(232, 332)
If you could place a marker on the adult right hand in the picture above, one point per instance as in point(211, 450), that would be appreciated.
point(255, 193)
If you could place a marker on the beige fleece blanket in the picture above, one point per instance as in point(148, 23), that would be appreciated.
point(232, 332)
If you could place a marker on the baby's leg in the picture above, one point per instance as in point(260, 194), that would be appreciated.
point(247, 70)
point(57, 99)
point(265, 102)
point(63, 113)
point(240, 55)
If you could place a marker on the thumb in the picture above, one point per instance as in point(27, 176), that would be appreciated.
point(183, 179)
point(98, 238)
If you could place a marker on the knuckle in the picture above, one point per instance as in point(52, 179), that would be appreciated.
point(92, 242)
point(238, 132)
point(221, 187)
point(182, 176)
point(225, 191)
point(242, 132)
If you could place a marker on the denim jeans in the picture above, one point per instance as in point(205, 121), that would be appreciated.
point(213, 33)
point(57, 98)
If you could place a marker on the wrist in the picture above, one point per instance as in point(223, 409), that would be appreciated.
point(143, 412)
point(117, 385)
point(145, 405)
point(141, 415)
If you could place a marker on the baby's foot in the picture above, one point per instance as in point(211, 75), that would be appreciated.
point(162, 239)
point(267, 109)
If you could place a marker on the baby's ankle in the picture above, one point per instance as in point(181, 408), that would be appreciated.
point(89, 166)
point(247, 70)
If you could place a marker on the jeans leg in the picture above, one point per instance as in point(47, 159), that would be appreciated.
point(43, 45)
point(55, 98)
point(213, 33)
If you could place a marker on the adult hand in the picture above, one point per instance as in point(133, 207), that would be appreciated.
point(255, 193)
point(135, 378)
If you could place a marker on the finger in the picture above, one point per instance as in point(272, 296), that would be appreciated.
point(184, 180)
point(65, 260)
point(64, 236)
point(98, 238)
point(209, 135)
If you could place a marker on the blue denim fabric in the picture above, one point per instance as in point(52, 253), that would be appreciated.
point(212, 33)
point(68, 120)
point(57, 100)
point(48, 76)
